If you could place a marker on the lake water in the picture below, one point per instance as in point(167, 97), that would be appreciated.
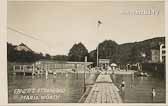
point(138, 89)
point(70, 86)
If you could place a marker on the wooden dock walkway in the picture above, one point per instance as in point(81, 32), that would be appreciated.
point(104, 91)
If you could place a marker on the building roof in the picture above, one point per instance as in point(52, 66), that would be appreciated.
point(23, 47)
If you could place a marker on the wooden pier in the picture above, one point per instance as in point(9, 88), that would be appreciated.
point(104, 91)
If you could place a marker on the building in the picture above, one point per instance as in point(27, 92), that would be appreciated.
point(53, 64)
point(155, 56)
point(158, 55)
point(162, 53)
point(104, 62)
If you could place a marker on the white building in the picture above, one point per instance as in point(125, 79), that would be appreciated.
point(162, 53)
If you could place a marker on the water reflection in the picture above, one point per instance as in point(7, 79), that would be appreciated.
point(72, 83)
point(122, 93)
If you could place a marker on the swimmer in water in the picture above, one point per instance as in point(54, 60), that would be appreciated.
point(122, 85)
point(153, 92)
point(122, 91)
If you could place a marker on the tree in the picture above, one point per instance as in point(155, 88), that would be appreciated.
point(78, 52)
point(39, 56)
point(108, 50)
point(137, 53)
point(60, 58)
point(11, 52)
point(13, 55)
point(92, 56)
point(47, 56)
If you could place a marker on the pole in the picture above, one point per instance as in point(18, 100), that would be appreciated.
point(14, 68)
point(24, 73)
point(98, 25)
point(33, 69)
point(84, 73)
point(98, 55)
point(84, 82)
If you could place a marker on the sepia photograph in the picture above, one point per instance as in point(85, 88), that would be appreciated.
point(86, 52)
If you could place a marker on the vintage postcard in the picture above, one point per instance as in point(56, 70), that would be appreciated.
point(86, 52)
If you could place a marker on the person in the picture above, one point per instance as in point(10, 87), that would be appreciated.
point(122, 91)
point(122, 85)
point(153, 92)
point(141, 73)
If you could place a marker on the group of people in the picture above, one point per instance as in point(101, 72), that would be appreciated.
point(122, 87)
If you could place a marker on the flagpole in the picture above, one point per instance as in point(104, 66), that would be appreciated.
point(98, 55)
point(99, 22)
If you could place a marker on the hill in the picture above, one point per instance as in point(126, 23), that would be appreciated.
point(108, 49)
point(22, 53)
point(132, 52)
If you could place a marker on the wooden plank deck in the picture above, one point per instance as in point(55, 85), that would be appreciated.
point(104, 91)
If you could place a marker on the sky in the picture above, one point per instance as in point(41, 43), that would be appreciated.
point(55, 26)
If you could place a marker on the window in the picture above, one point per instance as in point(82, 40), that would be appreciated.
point(163, 52)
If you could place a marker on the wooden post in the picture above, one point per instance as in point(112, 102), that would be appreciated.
point(22, 70)
point(41, 68)
point(46, 70)
point(33, 69)
point(14, 69)
point(84, 72)
point(20, 67)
